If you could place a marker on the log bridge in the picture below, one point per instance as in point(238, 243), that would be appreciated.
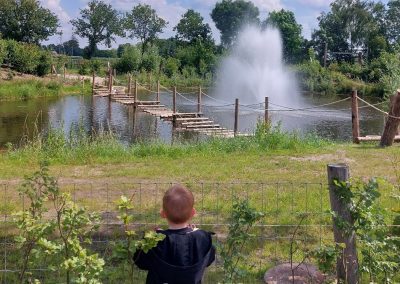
point(195, 122)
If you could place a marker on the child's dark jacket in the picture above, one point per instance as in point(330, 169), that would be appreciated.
point(181, 257)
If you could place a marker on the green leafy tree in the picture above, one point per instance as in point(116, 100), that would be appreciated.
point(230, 15)
point(191, 27)
point(99, 23)
point(350, 25)
point(171, 66)
point(129, 61)
point(144, 24)
point(393, 21)
point(26, 21)
point(290, 30)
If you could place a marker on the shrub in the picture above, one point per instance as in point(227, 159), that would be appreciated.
point(24, 58)
point(44, 66)
point(84, 67)
point(129, 61)
point(3, 51)
point(171, 67)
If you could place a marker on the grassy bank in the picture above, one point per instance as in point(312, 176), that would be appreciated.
point(270, 155)
point(23, 89)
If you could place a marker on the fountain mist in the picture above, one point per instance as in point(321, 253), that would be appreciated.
point(254, 69)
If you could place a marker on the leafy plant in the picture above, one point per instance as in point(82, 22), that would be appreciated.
point(243, 219)
point(124, 249)
point(61, 237)
point(380, 252)
point(32, 229)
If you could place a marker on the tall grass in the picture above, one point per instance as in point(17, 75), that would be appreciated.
point(32, 88)
point(80, 147)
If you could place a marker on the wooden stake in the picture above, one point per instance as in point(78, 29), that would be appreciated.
point(235, 129)
point(93, 82)
point(158, 90)
point(129, 85)
point(199, 101)
point(135, 98)
point(355, 117)
point(266, 115)
point(347, 262)
point(393, 122)
point(174, 100)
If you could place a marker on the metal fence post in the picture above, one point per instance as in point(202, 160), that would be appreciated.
point(347, 262)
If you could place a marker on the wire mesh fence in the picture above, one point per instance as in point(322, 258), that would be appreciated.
point(292, 213)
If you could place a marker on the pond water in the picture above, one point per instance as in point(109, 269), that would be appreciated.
point(70, 113)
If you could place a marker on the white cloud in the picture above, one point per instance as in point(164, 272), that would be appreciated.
point(64, 18)
point(316, 3)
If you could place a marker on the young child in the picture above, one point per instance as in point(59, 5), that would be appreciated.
point(184, 254)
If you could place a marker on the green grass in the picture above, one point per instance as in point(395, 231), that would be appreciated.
point(23, 89)
point(211, 169)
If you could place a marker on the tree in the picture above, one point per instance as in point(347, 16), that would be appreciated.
point(191, 27)
point(290, 30)
point(26, 21)
point(348, 27)
point(393, 21)
point(99, 23)
point(144, 24)
point(230, 15)
point(72, 48)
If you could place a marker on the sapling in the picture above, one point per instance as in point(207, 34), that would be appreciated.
point(125, 248)
point(32, 228)
point(243, 218)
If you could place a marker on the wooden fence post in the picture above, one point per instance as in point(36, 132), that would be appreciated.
point(266, 114)
point(174, 100)
point(129, 84)
point(347, 262)
point(355, 120)
point(392, 123)
point(158, 90)
point(199, 101)
point(93, 82)
point(110, 84)
point(235, 129)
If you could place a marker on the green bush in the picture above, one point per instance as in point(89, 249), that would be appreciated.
point(171, 66)
point(3, 51)
point(84, 67)
point(129, 61)
point(44, 66)
point(24, 58)
point(150, 61)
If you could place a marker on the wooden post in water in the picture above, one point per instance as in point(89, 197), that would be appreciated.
point(158, 90)
point(236, 125)
point(174, 100)
point(355, 117)
point(135, 98)
point(266, 114)
point(129, 84)
point(347, 262)
point(199, 101)
point(392, 123)
point(93, 82)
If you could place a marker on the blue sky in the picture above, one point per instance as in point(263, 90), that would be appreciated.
point(306, 12)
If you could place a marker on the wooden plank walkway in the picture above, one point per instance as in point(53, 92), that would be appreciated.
point(194, 122)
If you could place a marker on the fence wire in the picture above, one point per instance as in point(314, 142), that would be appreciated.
point(302, 208)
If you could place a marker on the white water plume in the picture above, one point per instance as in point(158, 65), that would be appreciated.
point(254, 70)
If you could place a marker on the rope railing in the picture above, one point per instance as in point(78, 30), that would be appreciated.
point(377, 109)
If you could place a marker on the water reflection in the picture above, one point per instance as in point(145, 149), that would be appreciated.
point(70, 113)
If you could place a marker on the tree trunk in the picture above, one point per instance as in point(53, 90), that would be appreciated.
point(393, 122)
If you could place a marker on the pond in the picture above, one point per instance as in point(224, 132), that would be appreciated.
point(22, 119)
